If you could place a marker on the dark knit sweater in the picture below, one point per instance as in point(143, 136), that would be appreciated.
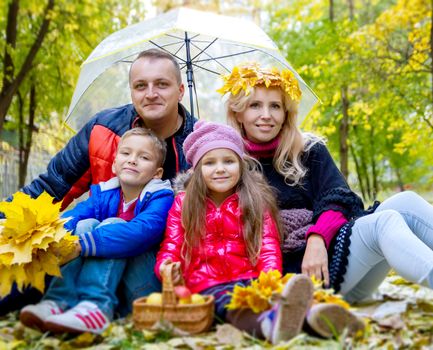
point(323, 188)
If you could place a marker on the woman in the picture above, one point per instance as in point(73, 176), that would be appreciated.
point(351, 251)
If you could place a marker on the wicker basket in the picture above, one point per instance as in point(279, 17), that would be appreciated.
point(191, 318)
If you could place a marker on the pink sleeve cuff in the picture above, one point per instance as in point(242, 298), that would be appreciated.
point(327, 225)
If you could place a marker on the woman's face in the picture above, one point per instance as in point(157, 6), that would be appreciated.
point(264, 115)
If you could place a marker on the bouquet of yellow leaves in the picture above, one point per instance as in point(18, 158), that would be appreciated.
point(31, 237)
point(257, 296)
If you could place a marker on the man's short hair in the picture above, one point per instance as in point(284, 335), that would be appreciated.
point(160, 54)
point(160, 145)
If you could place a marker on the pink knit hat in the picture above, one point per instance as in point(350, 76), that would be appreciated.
point(208, 136)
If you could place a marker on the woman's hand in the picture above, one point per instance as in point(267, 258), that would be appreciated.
point(315, 261)
point(177, 273)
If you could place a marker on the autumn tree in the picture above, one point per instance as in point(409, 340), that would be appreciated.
point(370, 64)
point(46, 42)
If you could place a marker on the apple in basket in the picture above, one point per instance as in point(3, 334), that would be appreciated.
point(154, 299)
point(197, 299)
point(183, 294)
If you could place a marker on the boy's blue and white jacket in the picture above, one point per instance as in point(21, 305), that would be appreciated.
point(122, 240)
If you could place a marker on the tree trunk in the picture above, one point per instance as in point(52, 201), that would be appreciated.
point(400, 182)
point(21, 125)
point(331, 10)
point(373, 165)
point(364, 167)
point(9, 90)
point(27, 145)
point(431, 51)
point(358, 172)
point(351, 9)
point(344, 133)
point(8, 66)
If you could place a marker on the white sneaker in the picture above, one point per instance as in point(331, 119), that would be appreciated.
point(84, 317)
point(34, 316)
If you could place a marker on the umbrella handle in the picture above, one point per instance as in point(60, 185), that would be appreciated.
point(189, 73)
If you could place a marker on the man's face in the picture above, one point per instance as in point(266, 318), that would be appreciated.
point(155, 91)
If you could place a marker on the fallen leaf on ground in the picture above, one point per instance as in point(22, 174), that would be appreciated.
point(227, 334)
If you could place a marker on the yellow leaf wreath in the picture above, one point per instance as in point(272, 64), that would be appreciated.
point(257, 296)
point(30, 237)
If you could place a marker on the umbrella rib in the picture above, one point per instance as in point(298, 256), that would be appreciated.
point(203, 50)
point(196, 98)
point(210, 58)
point(181, 38)
point(226, 56)
point(207, 69)
point(215, 59)
point(164, 49)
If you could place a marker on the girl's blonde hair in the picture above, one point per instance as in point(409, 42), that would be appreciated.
point(293, 143)
point(256, 199)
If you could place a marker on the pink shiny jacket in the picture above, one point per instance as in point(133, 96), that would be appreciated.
point(222, 256)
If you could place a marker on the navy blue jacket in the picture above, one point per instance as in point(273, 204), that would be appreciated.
point(87, 157)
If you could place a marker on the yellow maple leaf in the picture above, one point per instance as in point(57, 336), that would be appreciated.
point(47, 216)
point(259, 294)
point(35, 275)
point(6, 280)
point(31, 238)
point(49, 263)
point(6, 258)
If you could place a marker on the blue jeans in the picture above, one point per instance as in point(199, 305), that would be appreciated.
point(398, 235)
point(138, 280)
point(89, 278)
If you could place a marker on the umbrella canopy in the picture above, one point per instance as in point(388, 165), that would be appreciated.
point(205, 45)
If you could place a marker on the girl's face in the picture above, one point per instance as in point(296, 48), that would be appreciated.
point(220, 169)
point(264, 115)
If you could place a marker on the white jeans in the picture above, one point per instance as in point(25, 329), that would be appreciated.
point(398, 235)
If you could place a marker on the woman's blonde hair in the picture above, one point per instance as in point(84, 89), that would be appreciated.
point(256, 199)
point(293, 143)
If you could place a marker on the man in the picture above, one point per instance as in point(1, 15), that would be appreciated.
point(156, 91)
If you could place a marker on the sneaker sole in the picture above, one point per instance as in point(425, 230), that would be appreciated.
point(59, 328)
point(30, 320)
point(298, 295)
point(329, 320)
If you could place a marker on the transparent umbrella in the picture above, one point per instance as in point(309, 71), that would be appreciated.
point(205, 45)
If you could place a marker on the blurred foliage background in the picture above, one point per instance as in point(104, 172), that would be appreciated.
point(369, 61)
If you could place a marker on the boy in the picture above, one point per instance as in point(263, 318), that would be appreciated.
point(132, 205)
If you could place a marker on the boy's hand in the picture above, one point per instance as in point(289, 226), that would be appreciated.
point(74, 254)
point(177, 274)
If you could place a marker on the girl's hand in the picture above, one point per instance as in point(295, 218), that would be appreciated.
point(177, 273)
point(315, 261)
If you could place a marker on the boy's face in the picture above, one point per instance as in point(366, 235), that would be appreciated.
point(136, 161)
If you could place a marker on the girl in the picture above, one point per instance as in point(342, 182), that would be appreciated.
point(262, 105)
point(223, 230)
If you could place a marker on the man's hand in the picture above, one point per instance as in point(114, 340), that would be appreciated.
point(177, 273)
point(315, 261)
